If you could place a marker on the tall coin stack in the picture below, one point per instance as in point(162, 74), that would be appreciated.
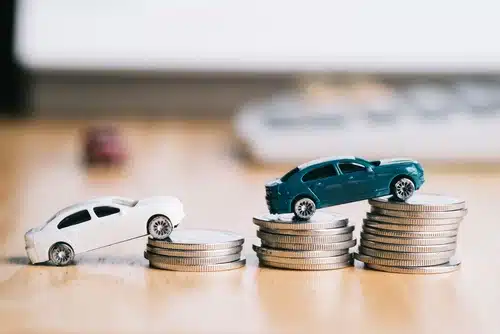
point(417, 236)
point(320, 243)
point(196, 250)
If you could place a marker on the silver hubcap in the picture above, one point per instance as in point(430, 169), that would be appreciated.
point(404, 188)
point(61, 255)
point(305, 208)
point(160, 227)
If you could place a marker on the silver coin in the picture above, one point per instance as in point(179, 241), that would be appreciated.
point(408, 249)
point(408, 241)
point(314, 260)
point(192, 261)
point(320, 232)
point(310, 247)
point(320, 220)
point(200, 268)
point(197, 239)
point(194, 253)
point(298, 254)
point(420, 214)
point(399, 263)
point(405, 256)
point(404, 234)
point(295, 239)
point(412, 221)
point(448, 267)
point(410, 228)
point(329, 266)
point(419, 202)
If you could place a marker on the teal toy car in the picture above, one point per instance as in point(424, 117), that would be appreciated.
point(339, 180)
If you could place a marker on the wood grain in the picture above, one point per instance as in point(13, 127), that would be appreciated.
point(113, 290)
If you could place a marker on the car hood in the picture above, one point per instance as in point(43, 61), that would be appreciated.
point(273, 183)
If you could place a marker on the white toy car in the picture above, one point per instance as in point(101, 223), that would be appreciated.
point(101, 222)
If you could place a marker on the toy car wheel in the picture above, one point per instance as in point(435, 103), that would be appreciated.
point(304, 208)
point(160, 227)
point(61, 254)
point(403, 189)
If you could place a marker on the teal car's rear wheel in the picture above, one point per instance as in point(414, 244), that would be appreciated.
point(403, 188)
point(304, 208)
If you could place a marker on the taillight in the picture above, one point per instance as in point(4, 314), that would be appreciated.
point(29, 238)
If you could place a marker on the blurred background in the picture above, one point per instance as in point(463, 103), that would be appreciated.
point(168, 91)
point(294, 81)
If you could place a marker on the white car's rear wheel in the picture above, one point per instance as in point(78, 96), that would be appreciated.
point(61, 254)
point(160, 227)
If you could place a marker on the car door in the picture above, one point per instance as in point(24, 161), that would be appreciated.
point(78, 230)
point(111, 225)
point(323, 182)
point(358, 180)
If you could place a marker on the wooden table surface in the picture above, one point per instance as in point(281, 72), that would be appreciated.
point(113, 290)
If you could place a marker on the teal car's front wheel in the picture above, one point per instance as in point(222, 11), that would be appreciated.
point(402, 188)
point(304, 208)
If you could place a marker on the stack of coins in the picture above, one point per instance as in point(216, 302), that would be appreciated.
point(320, 243)
point(196, 250)
point(417, 236)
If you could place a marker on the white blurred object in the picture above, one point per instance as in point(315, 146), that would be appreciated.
point(262, 36)
point(439, 122)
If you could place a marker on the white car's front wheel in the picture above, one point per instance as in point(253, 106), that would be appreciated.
point(61, 254)
point(160, 227)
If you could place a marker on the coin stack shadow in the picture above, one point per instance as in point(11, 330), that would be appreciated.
point(418, 236)
point(196, 250)
point(321, 243)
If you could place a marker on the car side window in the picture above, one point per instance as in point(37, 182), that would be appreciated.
point(103, 211)
point(74, 219)
point(320, 173)
point(351, 167)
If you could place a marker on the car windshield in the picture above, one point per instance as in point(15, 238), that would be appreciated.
point(289, 174)
point(125, 201)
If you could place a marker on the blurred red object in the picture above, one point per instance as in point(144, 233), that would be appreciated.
point(104, 145)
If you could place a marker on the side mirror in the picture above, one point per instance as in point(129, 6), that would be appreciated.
point(369, 169)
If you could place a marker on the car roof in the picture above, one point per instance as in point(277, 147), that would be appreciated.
point(327, 159)
point(82, 205)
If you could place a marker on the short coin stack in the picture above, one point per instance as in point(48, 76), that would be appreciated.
point(320, 243)
point(196, 250)
point(417, 236)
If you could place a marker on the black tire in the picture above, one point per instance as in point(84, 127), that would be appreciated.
point(159, 227)
point(402, 188)
point(303, 208)
point(61, 254)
